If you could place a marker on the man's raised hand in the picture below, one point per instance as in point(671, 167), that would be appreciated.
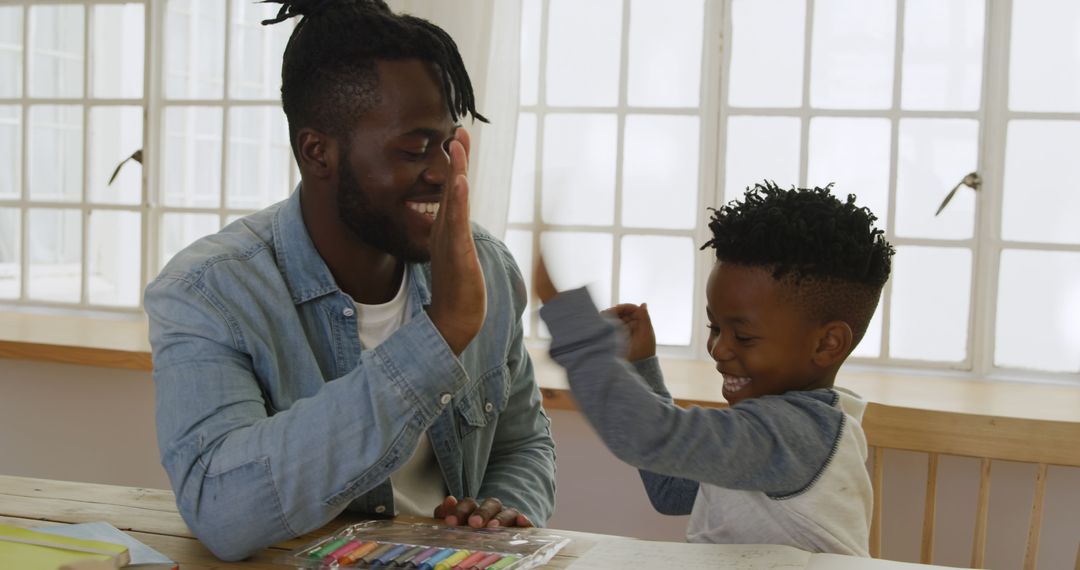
point(458, 296)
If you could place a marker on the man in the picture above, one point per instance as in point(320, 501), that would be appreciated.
point(358, 345)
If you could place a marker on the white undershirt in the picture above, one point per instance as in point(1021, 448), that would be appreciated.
point(418, 484)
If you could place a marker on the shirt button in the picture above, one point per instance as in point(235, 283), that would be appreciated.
point(488, 407)
point(348, 312)
point(445, 399)
point(380, 509)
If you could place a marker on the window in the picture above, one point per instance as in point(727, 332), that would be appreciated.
point(82, 85)
point(893, 100)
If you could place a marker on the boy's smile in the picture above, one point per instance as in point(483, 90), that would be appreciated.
point(759, 337)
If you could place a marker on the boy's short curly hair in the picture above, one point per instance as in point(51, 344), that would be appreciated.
point(828, 252)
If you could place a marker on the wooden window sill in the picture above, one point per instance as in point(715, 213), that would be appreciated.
point(123, 344)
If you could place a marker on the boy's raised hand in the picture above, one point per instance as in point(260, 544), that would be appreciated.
point(458, 296)
point(638, 326)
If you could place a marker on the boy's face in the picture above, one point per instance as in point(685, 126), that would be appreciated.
point(759, 338)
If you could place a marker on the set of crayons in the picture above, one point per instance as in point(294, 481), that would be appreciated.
point(345, 552)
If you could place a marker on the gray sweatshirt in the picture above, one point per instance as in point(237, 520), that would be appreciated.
point(787, 469)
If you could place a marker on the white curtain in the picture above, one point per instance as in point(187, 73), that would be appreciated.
point(488, 34)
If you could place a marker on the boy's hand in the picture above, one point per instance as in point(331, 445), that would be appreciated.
point(458, 296)
point(490, 513)
point(639, 326)
point(542, 284)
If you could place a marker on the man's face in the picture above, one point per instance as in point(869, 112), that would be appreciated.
point(759, 338)
point(395, 163)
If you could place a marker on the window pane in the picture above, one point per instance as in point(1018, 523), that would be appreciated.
point(870, 345)
point(1038, 310)
point(660, 172)
point(767, 43)
point(10, 253)
point(194, 49)
point(256, 51)
point(531, 15)
point(520, 244)
point(853, 153)
point(761, 148)
point(192, 157)
point(523, 179)
point(259, 157)
point(10, 152)
point(576, 259)
point(11, 46)
point(665, 53)
point(115, 252)
point(119, 47)
point(56, 51)
point(931, 295)
point(579, 169)
point(659, 270)
point(56, 152)
point(1042, 182)
point(1044, 68)
point(55, 242)
point(852, 54)
point(179, 230)
point(583, 52)
point(115, 133)
point(934, 155)
point(943, 44)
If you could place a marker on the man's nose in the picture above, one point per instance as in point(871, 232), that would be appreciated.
point(438, 169)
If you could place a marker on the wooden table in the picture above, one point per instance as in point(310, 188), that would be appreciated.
point(150, 516)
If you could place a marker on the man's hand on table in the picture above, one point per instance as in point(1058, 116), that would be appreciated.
point(489, 513)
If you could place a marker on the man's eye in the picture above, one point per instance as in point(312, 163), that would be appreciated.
point(415, 154)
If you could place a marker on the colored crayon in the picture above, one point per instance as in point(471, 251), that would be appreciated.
point(328, 548)
point(404, 558)
point(420, 558)
point(344, 551)
point(357, 554)
point(385, 558)
point(454, 558)
point(471, 560)
point(503, 563)
point(375, 554)
point(486, 563)
point(436, 558)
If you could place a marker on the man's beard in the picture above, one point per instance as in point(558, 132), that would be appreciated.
point(371, 226)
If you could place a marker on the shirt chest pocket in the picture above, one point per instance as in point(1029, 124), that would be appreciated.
point(482, 401)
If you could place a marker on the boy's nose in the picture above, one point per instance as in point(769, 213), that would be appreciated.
point(719, 350)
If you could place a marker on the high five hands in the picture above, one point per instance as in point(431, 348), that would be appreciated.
point(635, 318)
point(458, 296)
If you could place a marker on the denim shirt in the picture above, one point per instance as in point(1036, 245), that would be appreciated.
point(272, 419)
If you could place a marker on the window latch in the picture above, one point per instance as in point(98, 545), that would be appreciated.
point(972, 181)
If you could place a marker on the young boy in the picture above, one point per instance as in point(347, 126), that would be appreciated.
point(797, 279)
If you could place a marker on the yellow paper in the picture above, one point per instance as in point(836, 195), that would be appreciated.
point(17, 552)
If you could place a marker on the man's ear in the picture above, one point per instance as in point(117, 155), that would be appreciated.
point(318, 154)
point(833, 344)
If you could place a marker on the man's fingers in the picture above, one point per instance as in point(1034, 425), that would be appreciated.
point(488, 509)
point(523, 521)
point(505, 517)
point(462, 512)
point(462, 135)
point(446, 507)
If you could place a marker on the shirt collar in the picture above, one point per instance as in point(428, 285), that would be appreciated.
point(300, 264)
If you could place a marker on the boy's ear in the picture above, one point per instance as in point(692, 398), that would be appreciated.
point(318, 153)
point(834, 343)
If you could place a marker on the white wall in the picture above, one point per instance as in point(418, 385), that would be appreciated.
point(96, 424)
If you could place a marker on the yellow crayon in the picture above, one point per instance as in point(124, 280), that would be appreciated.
point(448, 563)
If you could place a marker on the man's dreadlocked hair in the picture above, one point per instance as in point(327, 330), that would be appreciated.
point(329, 77)
point(829, 252)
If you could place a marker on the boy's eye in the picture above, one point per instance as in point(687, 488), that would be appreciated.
point(743, 339)
point(415, 154)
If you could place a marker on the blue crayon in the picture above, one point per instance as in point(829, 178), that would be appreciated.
point(438, 557)
point(386, 557)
